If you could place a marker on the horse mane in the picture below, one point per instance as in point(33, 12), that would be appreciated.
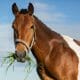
point(50, 33)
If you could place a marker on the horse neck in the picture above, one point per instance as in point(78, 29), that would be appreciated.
point(43, 36)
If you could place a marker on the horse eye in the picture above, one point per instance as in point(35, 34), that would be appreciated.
point(32, 27)
point(13, 26)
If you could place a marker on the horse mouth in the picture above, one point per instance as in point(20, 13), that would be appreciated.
point(12, 57)
point(22, 59)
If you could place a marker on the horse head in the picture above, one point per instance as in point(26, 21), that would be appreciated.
point(23, 26)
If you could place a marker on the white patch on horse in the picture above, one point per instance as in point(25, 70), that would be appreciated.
point(75, 48)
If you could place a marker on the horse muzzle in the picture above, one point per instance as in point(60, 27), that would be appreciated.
point(20, 56)
point(21, 52)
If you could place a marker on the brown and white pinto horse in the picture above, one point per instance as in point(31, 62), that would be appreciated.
point(58, 56)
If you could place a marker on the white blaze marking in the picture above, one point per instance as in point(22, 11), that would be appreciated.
point(75, 48)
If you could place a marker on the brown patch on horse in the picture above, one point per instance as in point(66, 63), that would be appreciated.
point(62, 62)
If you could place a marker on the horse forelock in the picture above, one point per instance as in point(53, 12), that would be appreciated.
point(23, 11)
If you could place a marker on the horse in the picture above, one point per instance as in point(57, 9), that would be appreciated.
point(57, 56)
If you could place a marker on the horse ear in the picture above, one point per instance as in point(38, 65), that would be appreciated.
point(15, 9)
point(30, 9)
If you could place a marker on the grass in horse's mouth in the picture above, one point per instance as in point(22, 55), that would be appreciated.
point(11, 58)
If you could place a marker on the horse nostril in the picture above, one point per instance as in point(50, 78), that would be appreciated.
point(20, 54)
